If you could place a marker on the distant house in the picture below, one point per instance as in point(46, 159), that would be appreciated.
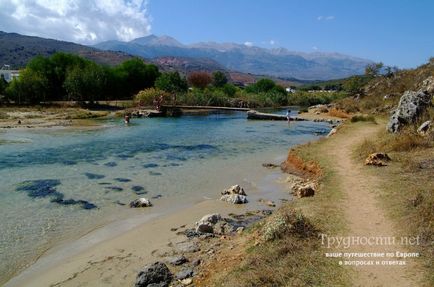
point(8, 74)
point(290, 90)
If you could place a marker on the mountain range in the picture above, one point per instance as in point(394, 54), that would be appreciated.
point(278, 62)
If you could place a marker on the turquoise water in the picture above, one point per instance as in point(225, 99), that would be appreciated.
point(58, 184)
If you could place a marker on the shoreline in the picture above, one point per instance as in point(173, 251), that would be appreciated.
point(70, 258)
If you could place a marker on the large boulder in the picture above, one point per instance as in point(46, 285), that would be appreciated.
point(411, 106)
point(155, 275)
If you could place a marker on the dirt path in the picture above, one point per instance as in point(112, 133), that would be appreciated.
point(363, 212)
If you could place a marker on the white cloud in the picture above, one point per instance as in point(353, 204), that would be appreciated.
point(83, 21)
point(325, 18)
point(248, 44)
point(272, 42)
point(315, 48)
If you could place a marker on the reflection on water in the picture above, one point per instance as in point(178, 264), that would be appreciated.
point(59, 184)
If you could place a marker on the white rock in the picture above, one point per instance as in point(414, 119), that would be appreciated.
point(140, 202)
point(235, 189)
point(234, 198)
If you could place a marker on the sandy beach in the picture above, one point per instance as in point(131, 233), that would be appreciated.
point(95, 261)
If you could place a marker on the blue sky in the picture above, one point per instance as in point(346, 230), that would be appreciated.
point(396, 32)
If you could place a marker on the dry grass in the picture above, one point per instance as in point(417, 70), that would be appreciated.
point(408, 187)
point(295, 164)
point(284, 249)
point(363, 118)
point(338, 113)
point(291, 257)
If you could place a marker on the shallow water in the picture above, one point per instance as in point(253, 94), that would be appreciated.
point(58, 184)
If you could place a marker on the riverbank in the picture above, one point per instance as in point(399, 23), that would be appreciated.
point(48, 117)
point(110, 167)
point(353, 200)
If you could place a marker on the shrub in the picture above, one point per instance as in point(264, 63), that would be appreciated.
point(146, 97)
point(362, 118)
point(199, 79)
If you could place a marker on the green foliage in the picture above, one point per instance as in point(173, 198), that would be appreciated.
point(3, 85)
point(355, 84)
point(267, 93)
point(306, 99)
point(373, 70)
point(85, 84)
point(362, 118)
point(219, 79)
point(30, 88)
point(229, 89)
point(171, 82)
point(146, 97)
point(136, 75)
point(69, 77)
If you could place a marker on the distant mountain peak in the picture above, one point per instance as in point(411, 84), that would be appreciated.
point(154, 40)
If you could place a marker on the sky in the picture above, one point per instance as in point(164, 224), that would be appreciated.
point(395, 32)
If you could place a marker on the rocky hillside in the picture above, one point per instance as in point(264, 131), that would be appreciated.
point(17, 50)
point(248, 59)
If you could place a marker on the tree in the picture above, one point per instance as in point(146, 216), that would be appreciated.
point(199, 80)
point(138, 75)
point(3, 85)
point(373, 70)
point(261, 86)
point(229, 90)
point(219, 79)
point(171, 82)
point(30, 88)
point(85, 84)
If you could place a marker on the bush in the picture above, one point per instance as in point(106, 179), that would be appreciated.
point(361, 118)
point(146, 97)
point(199, 79)
point(306, 99)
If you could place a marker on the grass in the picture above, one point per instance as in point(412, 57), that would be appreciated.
point(285, 249)
point(363, 118)
point(408, 187)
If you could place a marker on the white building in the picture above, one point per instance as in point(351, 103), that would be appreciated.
point(8, 74)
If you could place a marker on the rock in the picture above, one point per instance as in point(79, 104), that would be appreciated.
point(177, 260)
point(234, 198)
point(304, 190)
point(205, 227)
point(424, 128)
point(428, 85)
point(212, 218)
point(186, 281)
point(377, 159)
point(185, 273)
point(270, 165)
point(207, 222)
point(235, 189)
point(156, 274)
point(267, 202)
point(332, 132)
point(196, 262)
point(411, 105)
point(140, 202)
point(187, 247)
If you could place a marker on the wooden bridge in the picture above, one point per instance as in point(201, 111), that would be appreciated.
point(176, 107)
